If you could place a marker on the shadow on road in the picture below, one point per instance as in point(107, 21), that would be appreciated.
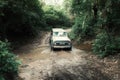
point(78, 73)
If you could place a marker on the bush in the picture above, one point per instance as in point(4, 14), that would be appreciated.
point(20, 18)
point(55, 18)
point(1, 78)
point(8, 63)
point(81, 32)
point(106, 44)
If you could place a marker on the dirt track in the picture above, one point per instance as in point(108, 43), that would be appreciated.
point(40, 63)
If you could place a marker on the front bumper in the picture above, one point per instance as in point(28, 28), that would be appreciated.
point(61, 46)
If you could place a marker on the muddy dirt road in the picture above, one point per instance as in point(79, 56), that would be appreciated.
point(40, 63)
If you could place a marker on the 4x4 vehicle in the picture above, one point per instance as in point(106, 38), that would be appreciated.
point(59, 39)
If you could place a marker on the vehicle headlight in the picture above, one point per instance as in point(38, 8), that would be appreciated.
point(69, 43)
point(54, 43)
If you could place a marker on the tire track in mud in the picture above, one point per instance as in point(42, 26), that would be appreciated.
point(55, 65)
point(64, 63)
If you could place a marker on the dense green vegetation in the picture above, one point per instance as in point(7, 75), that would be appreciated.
point(100, 19)
point(21, 20)
point(8, 62)
point(93, 19)
point(56, 18)
point(26, 18)
point(20, 17)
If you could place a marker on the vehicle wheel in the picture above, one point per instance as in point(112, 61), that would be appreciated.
point(52, 49)
point(70, 49)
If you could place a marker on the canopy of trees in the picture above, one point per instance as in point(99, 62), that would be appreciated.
point(56, 18)
point(20, 17)
point(24, 17)
point(100, 19)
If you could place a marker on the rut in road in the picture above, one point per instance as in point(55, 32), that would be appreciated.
point(40, 63)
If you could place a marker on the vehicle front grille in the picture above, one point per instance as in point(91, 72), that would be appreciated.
point(62, 43)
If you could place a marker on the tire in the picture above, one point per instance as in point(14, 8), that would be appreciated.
point(52, 49)
point(70, 49)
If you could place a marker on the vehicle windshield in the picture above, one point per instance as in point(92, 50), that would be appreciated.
point(55, 33)
point(62, 34)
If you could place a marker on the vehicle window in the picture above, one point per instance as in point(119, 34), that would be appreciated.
point(63, 34)
point(55, 33)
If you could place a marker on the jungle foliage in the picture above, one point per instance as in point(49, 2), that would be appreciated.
point(55, 18)
point(27, 18)
point(21, 20)
point(97, 19)
point(8, 62)
point(20, 17)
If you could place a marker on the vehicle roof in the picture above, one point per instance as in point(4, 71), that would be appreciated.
point(58, 29)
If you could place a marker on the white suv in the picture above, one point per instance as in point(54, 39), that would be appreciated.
point(59, 39)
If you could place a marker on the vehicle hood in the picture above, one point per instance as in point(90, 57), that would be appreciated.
point(61, 39)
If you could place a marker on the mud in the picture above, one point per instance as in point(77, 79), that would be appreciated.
point(40, 63)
